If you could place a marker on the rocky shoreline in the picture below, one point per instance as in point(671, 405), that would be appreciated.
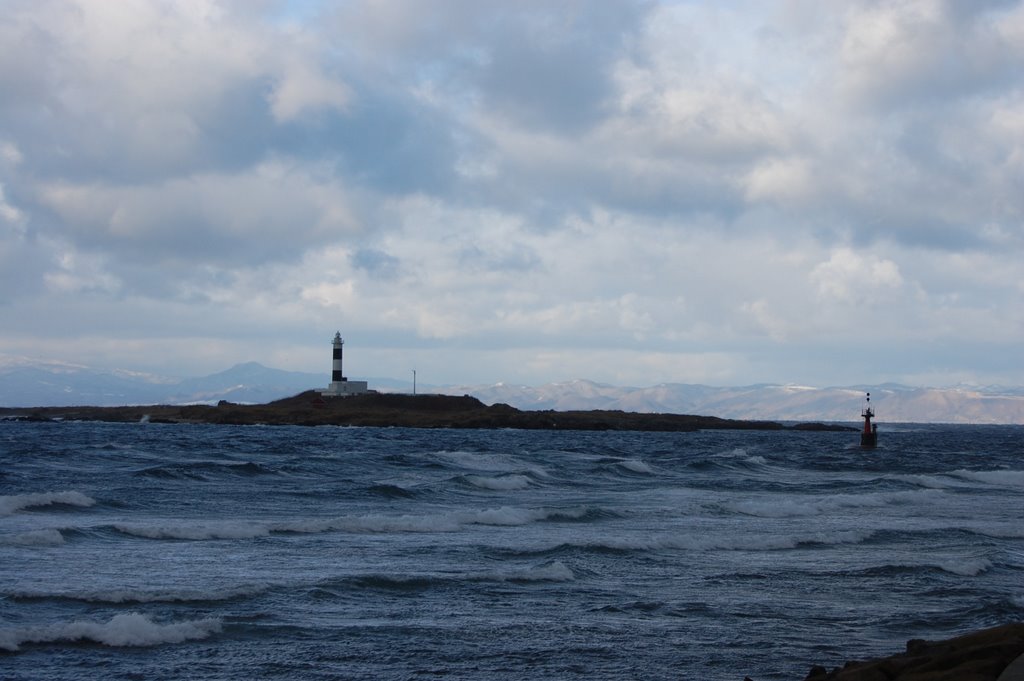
point(395, 410)
point(986, 655)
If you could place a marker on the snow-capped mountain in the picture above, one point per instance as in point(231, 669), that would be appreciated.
point(32, 383)
point(891, 402)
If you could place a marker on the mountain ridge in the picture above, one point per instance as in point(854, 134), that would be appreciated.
point(26, 382)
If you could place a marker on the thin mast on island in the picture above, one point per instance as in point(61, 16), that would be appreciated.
point(868, 436)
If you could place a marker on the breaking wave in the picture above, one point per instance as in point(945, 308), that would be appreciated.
point(635, 466)
point(33, 538)
point(125, 630)
point(1005, 478)
point(18, 502)
point(503, 483)
point(706, 543)
point(555, 571)
point(142, 595)
point(443, 522)
point(798, 506)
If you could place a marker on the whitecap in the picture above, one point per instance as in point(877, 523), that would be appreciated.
point(495, 463)
point(143, 595)
point(17, 502)
point(1006, 478)
point(921, 480)
point(48, 537)
point(505, 516)
point(195, 531)
point(552, 572)
point(757, 542)
point(812, 505)
point(380, 523)
point(965, 567)
point(504, 482)
point(636, 466)
point(125, 630)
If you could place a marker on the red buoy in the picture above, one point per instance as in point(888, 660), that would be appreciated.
point(868, 436)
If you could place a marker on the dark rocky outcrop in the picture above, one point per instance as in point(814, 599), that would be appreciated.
point(388, 409)
point(979, 656)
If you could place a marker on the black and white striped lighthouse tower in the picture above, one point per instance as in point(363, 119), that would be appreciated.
point(339, 384)
point(337, 375)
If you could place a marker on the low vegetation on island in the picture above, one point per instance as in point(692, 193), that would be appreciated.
point(310, 408)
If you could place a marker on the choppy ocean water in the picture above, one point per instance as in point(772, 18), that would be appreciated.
point(218, 552)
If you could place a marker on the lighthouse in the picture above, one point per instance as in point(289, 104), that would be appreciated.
point(868, 436)
point(337, 374)
point(339, 384)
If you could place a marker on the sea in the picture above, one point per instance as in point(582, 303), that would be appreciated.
point(169, 551)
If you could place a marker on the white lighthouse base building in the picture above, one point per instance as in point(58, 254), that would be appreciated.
point(346, 387)
point(339, 384)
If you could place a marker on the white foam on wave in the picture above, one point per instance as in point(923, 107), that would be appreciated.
point(48, 537)
point(237, 530)
point(723, 542)
point(998, 531)
point(17, 502)
point(505, 515)
point(1004, 478)
point(552, 572)
point(504, 482)
point(494, 463)
point(636, 466)
point(387, 524)
point(442, 522)
point(923, 480)
point(801, 506)
point(142, 595)
point(196, 531)
point(965, 567)
point(125, 630)
point(961, 566)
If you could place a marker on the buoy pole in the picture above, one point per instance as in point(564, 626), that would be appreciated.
point(868, 436)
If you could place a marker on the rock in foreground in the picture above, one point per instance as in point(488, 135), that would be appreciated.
point(980, 656)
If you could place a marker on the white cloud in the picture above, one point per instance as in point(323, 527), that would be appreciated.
point(782, 180)
point(852, 278)
point(272, 211)
point(627, 192)
point(303, 87)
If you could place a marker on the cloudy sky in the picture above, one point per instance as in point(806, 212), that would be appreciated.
point(789, 191)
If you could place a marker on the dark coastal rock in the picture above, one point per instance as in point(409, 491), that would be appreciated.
point(979, 656)
point(824, 427)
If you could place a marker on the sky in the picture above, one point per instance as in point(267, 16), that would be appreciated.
point(632, 192)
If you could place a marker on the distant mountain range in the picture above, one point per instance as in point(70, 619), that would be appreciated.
point(32, 383)
point(891, 402)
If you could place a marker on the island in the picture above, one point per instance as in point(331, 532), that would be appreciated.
point(311, 408)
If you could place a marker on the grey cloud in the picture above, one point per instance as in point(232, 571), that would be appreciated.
point(903, 54)
point(551, 69)
point(540, 64)
point(390, 142)
point(510, 258)
point(376, 263)
point(274, 213)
